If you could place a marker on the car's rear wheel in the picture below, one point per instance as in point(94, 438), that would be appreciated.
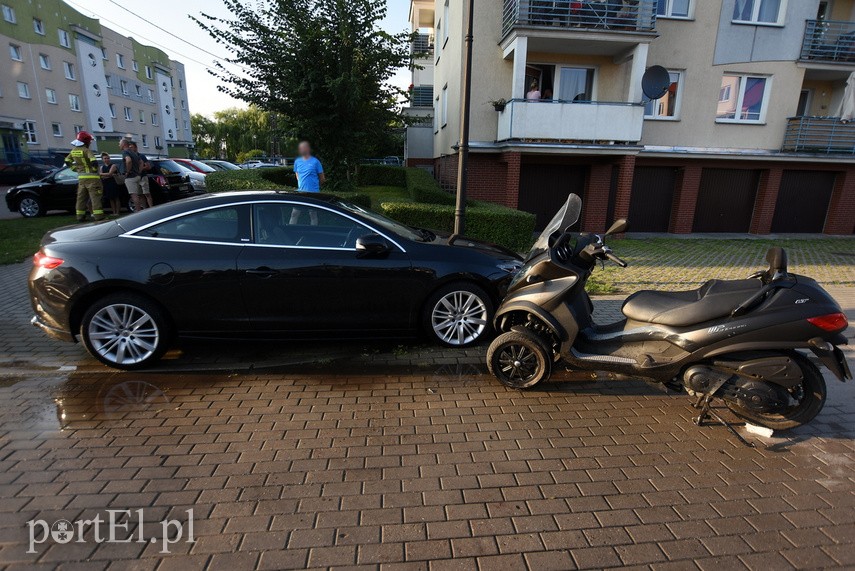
point(30, 207)
point(125, 331)
point(458, 315)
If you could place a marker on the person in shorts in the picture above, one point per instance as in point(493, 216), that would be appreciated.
point(145, 170)
point(132, 174)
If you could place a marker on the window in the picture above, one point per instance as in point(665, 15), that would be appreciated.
point(56, 128)
point(148, 72)
point(157, 143)
point(103, 53)
point(102, 124)
point(438, 34)
point(227, 224)
point(135, 65)
point(759, 11)
point(142, 117)
point(69, 70)
point(38, 26)
point(50, 95)
point(64, 38)
point(186, 125)
point(30, 132)
point(15, 52)
point(154, 119)
point(44, 61)
point(181, 84)
point(23, 90)
point(150, 96)
point(74, 102)
point(183, 104)
point(96, 89)
point(145, 140)
point(66, 175)
point(444, 107)
point(668, 107)
point(743, 98)
point(9, 14)
point(128, 114)
point(673, 8)
point(124, 86)
point(576, 84)
point(120, 61)
point(445, 11)
point(113, 110)
point(303, 226)
point(108, 81)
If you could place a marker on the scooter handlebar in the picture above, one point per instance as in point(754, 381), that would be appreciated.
point(616, 260)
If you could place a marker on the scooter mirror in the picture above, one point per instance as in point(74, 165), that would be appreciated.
point(619, 227)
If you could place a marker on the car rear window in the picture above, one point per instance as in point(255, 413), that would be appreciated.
point(227, 224)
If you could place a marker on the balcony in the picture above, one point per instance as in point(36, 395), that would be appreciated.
point(600, 16)
point(591, 122)
point(422, 96)
point(819, 135)
point(829, 41)
point(422, 46)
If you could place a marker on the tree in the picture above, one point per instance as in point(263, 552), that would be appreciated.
point(322, 65)
point(234, 131)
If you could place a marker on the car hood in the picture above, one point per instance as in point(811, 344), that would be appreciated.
point(27, 185)
point(83, 233)
point(487, 248)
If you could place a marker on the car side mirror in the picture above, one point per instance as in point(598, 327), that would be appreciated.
point(371, 246)
point(619, 227)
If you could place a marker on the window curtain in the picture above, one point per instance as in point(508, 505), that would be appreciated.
point(769, 10)
point(742, 10)
point(574, 84)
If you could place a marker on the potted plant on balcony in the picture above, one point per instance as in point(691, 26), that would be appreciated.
point(499, 105)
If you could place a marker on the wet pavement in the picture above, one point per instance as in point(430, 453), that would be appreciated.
point(395, 456)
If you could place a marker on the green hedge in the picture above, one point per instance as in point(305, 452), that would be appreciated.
point(484, 221)
point(380, 175)
point(423, 188)
point(357, 198)
point(281, 178)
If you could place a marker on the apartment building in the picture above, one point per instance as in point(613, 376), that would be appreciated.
point(748, 137)
point(62, 72)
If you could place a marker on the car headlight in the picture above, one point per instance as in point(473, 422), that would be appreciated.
point(511, 266)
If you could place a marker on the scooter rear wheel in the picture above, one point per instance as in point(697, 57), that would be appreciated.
point(808, 398)
point(519, 360)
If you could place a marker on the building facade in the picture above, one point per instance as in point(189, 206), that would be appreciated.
point(61, 72)
point(748, 137)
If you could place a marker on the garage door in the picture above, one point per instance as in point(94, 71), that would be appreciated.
point(544, 188)
point(652, 196)
point(803, 201)
point(726, 200)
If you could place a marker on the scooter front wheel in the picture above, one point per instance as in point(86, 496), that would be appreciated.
point(519, 360)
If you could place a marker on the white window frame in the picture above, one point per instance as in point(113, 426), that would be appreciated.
point(148, 72)
point(678, 103)
point(24, 90)
point(445, 17)
point(44, 61)
point(145, 141)
point(755, 15)
point(142, 117)
point(128, 115)
point(78, 128)
point(151, 96)
point(50, 96)
point(764, 106)
point(112, 110)
point(31, 134)
point(108, 80)
point(56, 129)
point(104, 53)
point(669, 11)
point(74, 102)
point(443, 107)
point(154, 119)
point(68, 67)
point(9, 14)
point(595, 78)
point(157, 141)
point(64, 38)
point(135, 65)
point(16, 52)
point(39, 26)
point(120, 61)
point(138, 89)
point(123, 85)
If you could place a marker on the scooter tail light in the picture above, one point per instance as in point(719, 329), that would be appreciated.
point(42, 260)
point(830, 322)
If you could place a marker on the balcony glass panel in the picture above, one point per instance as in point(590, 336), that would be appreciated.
point(602, 15)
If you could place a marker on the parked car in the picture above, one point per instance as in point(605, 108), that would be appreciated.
point(58, 191)
point(194, 177)
point(194, 165)
point(260, 264)
point(221, 165)
point(19, 173)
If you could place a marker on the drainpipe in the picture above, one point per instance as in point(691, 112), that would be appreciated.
point(463, 162)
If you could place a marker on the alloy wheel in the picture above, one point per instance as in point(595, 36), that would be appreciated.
point(518, 363)
point(29, 207)
point(123, 334)
point(459, 318)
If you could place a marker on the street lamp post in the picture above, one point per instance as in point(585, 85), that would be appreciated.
point(463, 149)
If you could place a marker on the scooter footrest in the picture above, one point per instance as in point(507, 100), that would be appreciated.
point(602, 358)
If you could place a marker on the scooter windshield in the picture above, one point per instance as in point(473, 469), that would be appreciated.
point(567, 216)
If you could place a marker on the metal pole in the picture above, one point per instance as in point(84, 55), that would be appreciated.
point(463, 150)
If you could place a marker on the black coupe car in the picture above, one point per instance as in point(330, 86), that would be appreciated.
point(19, 173)
point(261, 264)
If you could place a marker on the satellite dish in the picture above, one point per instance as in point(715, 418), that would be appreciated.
point(656, 82)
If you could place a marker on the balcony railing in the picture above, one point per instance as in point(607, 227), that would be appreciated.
point(821, 135)
point(422, 96)
point(829, 41)
point(579, 121)
point(614, 15)
point(422, 46)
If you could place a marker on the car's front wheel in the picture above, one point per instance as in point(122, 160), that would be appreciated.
point(125, 331)
point(30, 207)
point(458, 315)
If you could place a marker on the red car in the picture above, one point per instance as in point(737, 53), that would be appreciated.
point(195, 165)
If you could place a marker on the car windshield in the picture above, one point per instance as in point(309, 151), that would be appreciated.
point(203, 167)
point(386, 224)
point(227, 165)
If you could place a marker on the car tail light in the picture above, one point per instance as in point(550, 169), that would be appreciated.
point(47, 262)
point(830, 322)
point(161, 180)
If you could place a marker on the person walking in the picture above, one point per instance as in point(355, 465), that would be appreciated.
point(145, 170)
point(309, 171)
point(109, 172)
point(89, 188)
point(132, 174)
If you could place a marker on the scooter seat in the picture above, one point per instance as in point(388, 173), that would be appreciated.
point(714, 299)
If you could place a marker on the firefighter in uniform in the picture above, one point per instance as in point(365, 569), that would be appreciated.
point(89, 188)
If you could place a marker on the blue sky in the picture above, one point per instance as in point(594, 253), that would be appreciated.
point(204, 97)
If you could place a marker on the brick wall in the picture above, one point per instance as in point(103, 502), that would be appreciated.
point(493, 177)
point(841, 210)
point(685, 200)
point(597, 191)
point(767, 197)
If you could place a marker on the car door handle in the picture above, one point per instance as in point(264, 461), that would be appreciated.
point(263, 272)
